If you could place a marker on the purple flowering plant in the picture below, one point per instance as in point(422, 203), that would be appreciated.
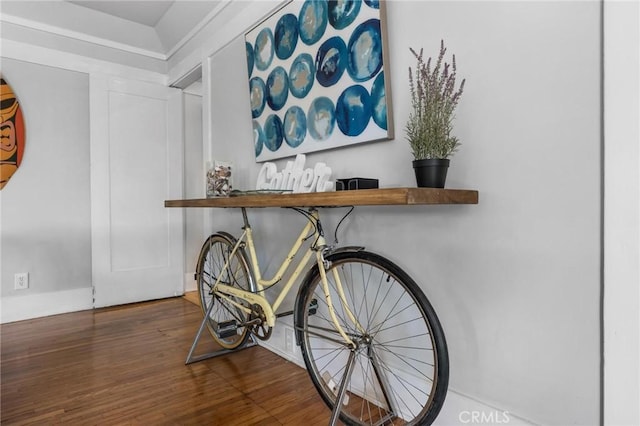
point(434, 98)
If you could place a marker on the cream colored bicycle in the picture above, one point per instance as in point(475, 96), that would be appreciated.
point(371, 341)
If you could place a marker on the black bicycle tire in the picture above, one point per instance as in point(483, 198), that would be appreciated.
point(242, 257)
point(428, 414)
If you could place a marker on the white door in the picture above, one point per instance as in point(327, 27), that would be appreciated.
point(136, 164)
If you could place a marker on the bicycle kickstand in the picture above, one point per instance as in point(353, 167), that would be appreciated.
point(343, 388)
point(191, 359)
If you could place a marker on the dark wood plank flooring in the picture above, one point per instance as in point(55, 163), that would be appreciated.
point(125, 365)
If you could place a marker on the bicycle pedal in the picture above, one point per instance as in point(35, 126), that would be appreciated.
point(313, 307)
point(226, 329)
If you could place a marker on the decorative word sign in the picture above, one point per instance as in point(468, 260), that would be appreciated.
point(295, 177)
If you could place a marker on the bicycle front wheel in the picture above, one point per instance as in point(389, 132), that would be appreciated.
point(226, 320)
point(397, 372)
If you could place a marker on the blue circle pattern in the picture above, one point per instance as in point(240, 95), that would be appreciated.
point(286, 36)
point(331, 61)
point(277, 88)
point(321, 118)
point(257, 96)
point(365, 51)
point(301, 75)
point(273, 133)
point(343, 13)
point(379, 102)
point(374, 4)
point(249, 50)
point(295, 126)
point(263, 50)
point(258, 137)
point(312, 21)
point(353, 110)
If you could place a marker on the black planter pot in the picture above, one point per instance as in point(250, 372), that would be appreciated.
point(431, 173)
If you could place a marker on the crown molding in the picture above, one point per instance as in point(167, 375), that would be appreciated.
point(55, 58)
point(52, 29)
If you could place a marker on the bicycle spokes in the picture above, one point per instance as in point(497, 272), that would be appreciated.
point(392, 372)
point(220, 262)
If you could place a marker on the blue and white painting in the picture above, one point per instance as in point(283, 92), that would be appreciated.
point(316, 72)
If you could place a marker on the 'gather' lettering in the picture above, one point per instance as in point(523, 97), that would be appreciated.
point(295, 177)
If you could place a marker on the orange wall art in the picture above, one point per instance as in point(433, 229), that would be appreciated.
point(12, 135)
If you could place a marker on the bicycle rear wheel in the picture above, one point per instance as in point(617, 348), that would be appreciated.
point(225, 321)
point(399, 369)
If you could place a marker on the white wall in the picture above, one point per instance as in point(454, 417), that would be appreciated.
point(515, 279)
point(621, 298)
point(45, 206)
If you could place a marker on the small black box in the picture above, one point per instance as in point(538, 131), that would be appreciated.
point(356, 183)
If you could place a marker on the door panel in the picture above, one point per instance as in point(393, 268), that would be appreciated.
point(136, 156)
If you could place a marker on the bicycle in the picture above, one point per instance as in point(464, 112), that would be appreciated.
point(371, 341)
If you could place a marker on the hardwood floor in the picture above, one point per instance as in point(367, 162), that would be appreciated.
point(125, 365)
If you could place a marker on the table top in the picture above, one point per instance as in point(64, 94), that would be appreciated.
point(362, 197)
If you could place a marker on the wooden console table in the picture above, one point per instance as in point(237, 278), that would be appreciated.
point(362, 197)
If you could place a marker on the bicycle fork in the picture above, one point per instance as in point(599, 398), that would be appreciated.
point(322, 264)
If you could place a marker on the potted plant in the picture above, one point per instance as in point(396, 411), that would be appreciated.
point(434, 98)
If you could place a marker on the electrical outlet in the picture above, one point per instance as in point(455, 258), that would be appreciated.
point(288, 339)
point(21, 281)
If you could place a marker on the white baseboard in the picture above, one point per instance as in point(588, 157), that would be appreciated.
point(284, 354)
point(458, 409)
point(18, 308)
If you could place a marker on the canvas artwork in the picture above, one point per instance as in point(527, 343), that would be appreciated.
point(316, 73)
point(12, 134)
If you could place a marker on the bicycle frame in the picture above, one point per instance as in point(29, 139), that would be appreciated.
point(311, 230)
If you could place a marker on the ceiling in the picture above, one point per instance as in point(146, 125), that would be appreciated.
point(146, 12)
